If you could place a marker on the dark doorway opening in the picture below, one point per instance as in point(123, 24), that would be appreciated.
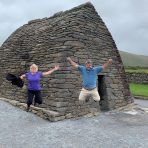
point(102, 92)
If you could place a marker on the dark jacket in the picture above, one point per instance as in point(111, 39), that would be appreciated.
point(15, 80)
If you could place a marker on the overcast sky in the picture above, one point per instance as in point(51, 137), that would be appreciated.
point(127, 20)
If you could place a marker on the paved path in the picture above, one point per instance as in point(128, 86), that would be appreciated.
point(143, 103)
point(20, 129)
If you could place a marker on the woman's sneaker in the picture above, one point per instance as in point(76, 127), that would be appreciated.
point(27, 109)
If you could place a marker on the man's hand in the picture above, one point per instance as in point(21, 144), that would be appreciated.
point(110, 61)
point(107, 63)
point(74, 64)
point(68, 58)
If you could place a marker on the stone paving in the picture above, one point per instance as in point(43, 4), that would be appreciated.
point(123, 128)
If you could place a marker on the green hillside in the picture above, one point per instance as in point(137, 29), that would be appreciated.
point(133, 60)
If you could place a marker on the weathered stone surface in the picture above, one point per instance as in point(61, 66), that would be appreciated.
point(74, 43)
point(79, 33)
point(57, 118)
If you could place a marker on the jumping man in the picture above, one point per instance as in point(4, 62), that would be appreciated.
point(89, 77)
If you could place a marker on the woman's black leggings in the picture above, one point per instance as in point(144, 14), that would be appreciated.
point(32, 94)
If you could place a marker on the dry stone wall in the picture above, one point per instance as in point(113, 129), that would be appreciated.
point(79, 33)
point(141, 78)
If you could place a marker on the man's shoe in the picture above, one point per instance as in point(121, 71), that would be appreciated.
point(87, 100)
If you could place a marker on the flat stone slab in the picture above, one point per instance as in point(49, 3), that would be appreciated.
point(111, 129)
point(50, 115)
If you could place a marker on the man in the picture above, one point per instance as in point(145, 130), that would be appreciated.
point(89, 77)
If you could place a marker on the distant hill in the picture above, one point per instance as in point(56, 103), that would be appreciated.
point(134, 60)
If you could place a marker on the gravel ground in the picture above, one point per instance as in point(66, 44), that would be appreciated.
point(114, 129)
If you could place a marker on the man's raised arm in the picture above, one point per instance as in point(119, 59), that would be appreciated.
point(75, 65)
point(107, 63)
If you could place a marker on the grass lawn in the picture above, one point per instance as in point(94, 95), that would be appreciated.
point(136, 70)
point(139, 89)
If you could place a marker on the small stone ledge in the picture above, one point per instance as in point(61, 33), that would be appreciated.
point(135, 108)
point(41, 112)
point(141, 97)
point(126, 107)
point(52, 116)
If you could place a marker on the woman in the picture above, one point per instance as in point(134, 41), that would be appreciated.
point(34, 87)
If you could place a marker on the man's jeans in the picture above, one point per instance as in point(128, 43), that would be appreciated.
point(85, 93)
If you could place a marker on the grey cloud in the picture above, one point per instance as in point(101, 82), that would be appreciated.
point(126, 20)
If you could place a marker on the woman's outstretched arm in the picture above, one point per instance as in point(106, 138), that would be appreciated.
point(52, 70)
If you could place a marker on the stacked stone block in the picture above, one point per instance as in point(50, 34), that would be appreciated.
point(79, 33)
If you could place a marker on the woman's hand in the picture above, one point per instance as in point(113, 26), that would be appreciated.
point(22, 76)
point(56, 67)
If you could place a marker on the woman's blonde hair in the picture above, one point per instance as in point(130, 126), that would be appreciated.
point(35, 66)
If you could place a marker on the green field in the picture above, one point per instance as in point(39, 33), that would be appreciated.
point(139, 89)
point(136, 64)
point(136, 70)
